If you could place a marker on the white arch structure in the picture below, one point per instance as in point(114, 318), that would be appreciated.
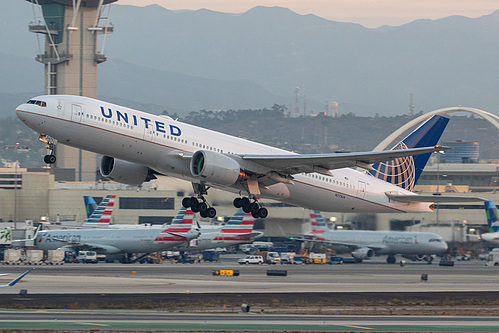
point(491, 118)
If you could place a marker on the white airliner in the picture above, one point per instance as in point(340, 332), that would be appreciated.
point(114, 241)
point(366, 244)
point(16, 280)
point(239, 229)
point(137, 146)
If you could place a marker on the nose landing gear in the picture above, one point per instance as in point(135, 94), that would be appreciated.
point(50, 145)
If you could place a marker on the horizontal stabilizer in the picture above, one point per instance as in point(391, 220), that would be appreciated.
point(433, 198)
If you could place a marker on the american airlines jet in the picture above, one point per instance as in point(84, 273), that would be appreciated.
point(114, 241)
point(239, 229)
point(137, 147)
point(365, 244)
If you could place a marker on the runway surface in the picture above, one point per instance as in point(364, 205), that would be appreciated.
point(198, 278)
point(144, 320)
point(185, 297)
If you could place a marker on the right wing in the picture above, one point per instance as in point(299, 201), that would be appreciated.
point(322, 163)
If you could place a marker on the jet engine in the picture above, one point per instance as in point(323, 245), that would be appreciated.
point(215, 168)
point(363, 253)
point(125, 172)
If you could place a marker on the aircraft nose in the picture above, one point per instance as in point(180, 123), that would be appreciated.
point(21, 111)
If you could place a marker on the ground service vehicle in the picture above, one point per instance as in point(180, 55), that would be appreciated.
point(87, 257)
point(493, 258)
point(251, 260)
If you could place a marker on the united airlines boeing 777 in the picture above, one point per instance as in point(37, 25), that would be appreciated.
point(138, 146)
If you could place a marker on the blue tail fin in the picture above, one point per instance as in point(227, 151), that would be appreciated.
point(90, 205)
point(405, 171)
point(491, 211)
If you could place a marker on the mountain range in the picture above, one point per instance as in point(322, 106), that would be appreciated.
point(185, 61)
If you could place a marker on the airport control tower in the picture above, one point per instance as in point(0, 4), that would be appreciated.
point(71, 29)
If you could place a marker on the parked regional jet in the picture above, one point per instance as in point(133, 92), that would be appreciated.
point(137, 146)
point(492, 236)
point(113, 241)
point(239, 229)
point(16, 280)
point(366, 244)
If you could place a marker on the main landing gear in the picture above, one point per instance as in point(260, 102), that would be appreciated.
point(251, 207)
point(200, 207)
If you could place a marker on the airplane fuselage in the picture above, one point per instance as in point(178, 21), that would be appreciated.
point(166, 145)
point(390, 242)
point(110, 241)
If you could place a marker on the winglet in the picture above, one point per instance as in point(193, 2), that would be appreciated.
point(17, 279)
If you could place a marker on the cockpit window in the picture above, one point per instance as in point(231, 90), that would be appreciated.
point(39, 103)
point(435, 240)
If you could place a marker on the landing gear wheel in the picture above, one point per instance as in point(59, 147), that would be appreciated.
point(203, 214)
point(195, 206)
point(391, 260)
point(194, 202)
point(49, 159)
point(263, 212)
point(245, 203)
point(211, 212)
point(237, 202)
point(202, 206)
point(254, 207)
point(255, 215)
point(186, 202)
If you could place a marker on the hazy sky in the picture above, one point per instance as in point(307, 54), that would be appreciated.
point(370, 13)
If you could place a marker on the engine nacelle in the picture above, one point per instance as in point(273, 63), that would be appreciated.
point(124, 172)
point(363, 253)
point(414, 257)
point(214, 167)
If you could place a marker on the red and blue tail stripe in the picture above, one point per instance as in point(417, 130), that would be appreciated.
point(238, 228)
point(102, 214)
point(318, 223)
point(181, 224)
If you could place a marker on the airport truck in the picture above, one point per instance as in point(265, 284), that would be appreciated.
point(493, 258)
point(87, 257)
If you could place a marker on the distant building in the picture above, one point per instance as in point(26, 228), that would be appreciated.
point(461, 152)
point(332, 109)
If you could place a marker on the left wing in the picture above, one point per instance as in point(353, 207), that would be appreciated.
point(322, 163)
point(88, 246)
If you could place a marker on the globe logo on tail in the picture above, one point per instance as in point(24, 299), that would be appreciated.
point(400, 171)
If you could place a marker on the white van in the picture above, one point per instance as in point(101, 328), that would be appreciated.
point(87, 257)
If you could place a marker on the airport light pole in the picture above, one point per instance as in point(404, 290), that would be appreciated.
point(15, 186)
